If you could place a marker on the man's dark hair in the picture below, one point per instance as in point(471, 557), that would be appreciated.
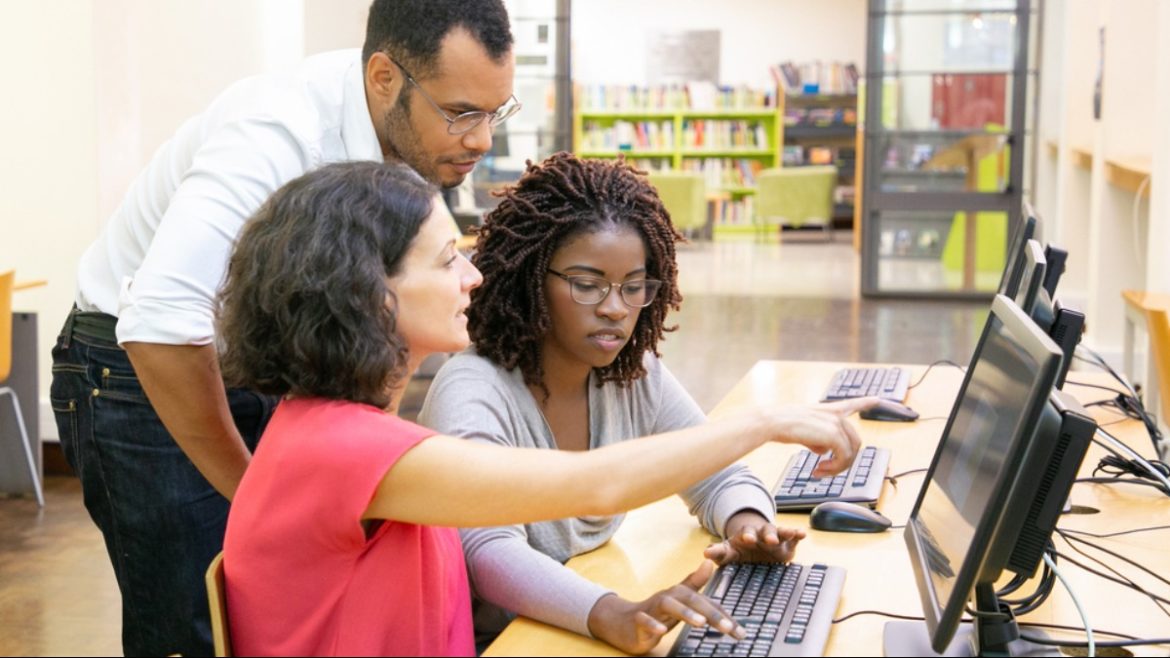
point(552, 202)
point(411, 31)
point(305, 308)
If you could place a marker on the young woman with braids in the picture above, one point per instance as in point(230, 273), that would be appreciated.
point(579, 273)
point(339, 286)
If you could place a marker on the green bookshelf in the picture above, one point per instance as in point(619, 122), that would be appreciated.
point(732, 139)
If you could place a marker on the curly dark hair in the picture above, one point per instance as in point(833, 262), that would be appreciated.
point(553, 201)
point(411, 31)
point(303, 309)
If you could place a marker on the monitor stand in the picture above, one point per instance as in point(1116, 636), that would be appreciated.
point(994, 634)
point(909, 638)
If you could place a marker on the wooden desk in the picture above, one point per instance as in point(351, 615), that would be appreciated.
point(661, 543)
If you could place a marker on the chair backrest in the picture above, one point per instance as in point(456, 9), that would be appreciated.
point(796, 195)
point(1158, 327)
point(217, 599)
point(6, 281)
point(684, 194)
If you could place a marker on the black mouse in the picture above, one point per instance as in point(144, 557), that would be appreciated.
point(839, 516)
point(889, 410)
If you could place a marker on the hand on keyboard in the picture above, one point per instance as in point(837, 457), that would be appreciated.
point(752, 538)
point(637, 626)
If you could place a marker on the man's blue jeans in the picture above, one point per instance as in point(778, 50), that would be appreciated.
point(162, 521)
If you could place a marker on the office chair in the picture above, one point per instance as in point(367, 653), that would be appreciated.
point(795, 196)
point(684, 194)
point(217, 600)
point(6, 286)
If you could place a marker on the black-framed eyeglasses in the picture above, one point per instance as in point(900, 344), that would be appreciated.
point(586, 289)
point(467, 121)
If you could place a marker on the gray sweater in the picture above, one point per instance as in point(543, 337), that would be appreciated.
point(519, 569)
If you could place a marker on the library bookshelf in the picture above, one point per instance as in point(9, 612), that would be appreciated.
point(729, 146)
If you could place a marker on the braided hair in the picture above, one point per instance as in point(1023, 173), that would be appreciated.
point(553, 201)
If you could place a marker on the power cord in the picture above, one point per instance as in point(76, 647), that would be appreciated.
point(1048, 562)
point(1128, 400)
point(1131, 463)
point(931, 366)
point(1126, 641)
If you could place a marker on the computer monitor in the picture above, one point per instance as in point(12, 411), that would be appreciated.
point(999, 478)
point(1010, 281)
point(1031, 270)
point(1064, 325)
point(1056, 259)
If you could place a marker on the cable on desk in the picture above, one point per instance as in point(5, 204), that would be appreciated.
point(1127, 641)
point(894, 478)
point(925, 420)
point(1111, 553)
point(892, 615)
point(1107, 535)
point(1076, 602)
point(1044, 588)
point(1126, 582)
point(1097, 386)
point(1133, 462)
point(1129, 399)
point(929, 367)
point(1108, 643)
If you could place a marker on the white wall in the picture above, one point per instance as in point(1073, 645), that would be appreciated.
point(1111, 246)
point(49, 172)
point(609, 36)
point(92, 88)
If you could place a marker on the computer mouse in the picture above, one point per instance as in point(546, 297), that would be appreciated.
point(889, 410)
point(839, 516)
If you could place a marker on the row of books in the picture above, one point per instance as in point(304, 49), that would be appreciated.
point(697, 134)
point(723, 134)
point(796, 155)
point(725, 172)
point(627, 135)
point(820, 116)
point(816, 77)
point(692, 96)
point(731, 212)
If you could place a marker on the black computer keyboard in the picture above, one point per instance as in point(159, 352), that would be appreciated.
point(889, 383)
point(797, 490)
point(787, 610)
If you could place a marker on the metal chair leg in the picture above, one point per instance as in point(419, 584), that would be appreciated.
point(24, 438)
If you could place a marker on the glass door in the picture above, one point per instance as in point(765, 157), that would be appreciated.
point(947, 105)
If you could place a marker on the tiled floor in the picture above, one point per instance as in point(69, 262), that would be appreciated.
point(744, 302)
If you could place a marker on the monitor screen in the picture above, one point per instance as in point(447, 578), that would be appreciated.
point(1010, 281)
point(1032, 272)
point(974, 516)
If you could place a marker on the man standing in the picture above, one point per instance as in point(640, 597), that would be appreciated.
point(143, 415)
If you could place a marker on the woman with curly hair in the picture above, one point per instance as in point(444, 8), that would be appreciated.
point(579, 274)
point(339, 539)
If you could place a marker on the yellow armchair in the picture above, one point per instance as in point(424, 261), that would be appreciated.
point(684, 194)
point(795, 196)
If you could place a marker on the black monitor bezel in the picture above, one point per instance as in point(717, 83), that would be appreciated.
point(943, 618)
point(1031, 275)
point(1009, 282)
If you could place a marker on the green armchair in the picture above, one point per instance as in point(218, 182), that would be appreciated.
point(795, 196)
point(684, 194)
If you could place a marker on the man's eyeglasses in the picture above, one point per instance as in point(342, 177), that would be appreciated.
point(467, 121)
point(585, 289)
